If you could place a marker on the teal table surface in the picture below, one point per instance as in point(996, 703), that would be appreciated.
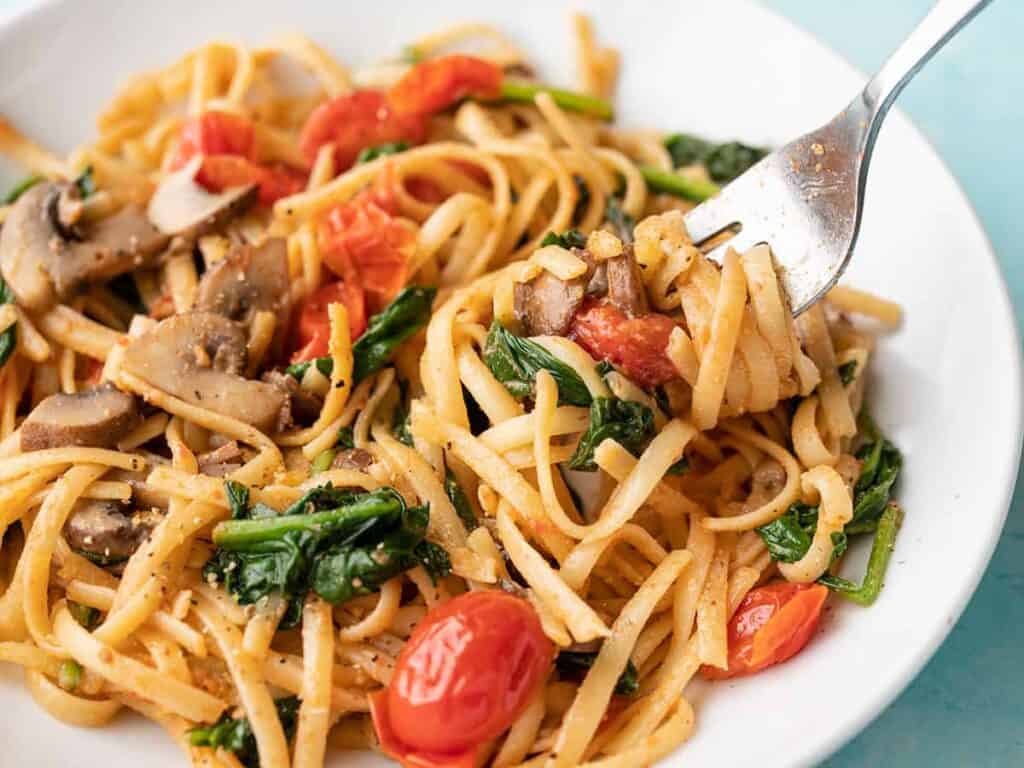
point(965, 709)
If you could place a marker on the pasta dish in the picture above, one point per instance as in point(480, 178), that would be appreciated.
point(393, 408)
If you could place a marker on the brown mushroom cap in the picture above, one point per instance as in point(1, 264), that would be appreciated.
point(106, 531)
point(626, 284)
point(248, 279)
point(197, 357)
point(94, 417)
point(181, 207)
point(44, 259)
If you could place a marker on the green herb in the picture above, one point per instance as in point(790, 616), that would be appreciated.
point(603, 368)
point(323, 364)
point(571, 238)
point(21, 188)
point(337, 542)
point(380, 150)
point(412, 55)
point(322, 462)
point(238, 499)
point(724, 162)
point(515, 362)
point(404, 316)
point(522, 91)
point(85, 615)
point(459, 500)
point(847, 372)
point(881, 467)
point(582, 198)
point(629, 423)
point(9, 338)
point(86, 183)
point(672, 183)
point(687, 150)
point(345, 439)
point(881, 551)
point(69, 674)
point(621, 221)
point(572, 663)
point(234, 734)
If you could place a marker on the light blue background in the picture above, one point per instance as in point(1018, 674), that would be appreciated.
point(966, 709)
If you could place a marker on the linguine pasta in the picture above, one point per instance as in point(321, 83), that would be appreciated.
point(356, 358)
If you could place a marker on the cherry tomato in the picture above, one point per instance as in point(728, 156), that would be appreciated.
point(213, 133)
point(771, 625)
point(313, 328)
point(634, 345)
point(468, 670)
point(362, 238)
point(435, 85)
point(219, 172)
point(354, 122)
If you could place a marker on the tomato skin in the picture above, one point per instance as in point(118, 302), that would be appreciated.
point(361, 239)
point(771, 625)
point(213, 133)
point(635, 345)
point(434, 85)
point(468, 670)
point(354, 122)
point(220, 172)
point(313, 327)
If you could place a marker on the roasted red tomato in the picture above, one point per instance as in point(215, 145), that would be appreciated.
point(356, 121)
point(634, 345)
point(466, 673)
point(213, 133)
point(361, 237)
point(313, 328)
point(437, 84)
point(772, 624)
point(219, 172)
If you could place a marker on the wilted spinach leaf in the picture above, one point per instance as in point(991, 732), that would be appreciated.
point(574, 663)
point(9, 338)
point(515, 362)
point(380, 150)
point(627, 422)
point(21, 188)
point(571, 238)
point(459, 500)
point(403, 317)
point(234, 734)
point(724, 162)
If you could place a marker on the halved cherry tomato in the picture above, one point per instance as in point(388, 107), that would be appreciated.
point(437, 84)
point(313, 328)
point(468, 670)
point(213, 133)
point(362, 238)
point(636, 345)
point(354, 122)
point(771, 625)
point(219, 172)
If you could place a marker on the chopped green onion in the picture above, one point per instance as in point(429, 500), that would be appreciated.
point(69, 675)
point(672, 183)
point(518, 90)
point(322, 462)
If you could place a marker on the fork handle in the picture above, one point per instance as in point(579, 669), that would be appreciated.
point(944, 20)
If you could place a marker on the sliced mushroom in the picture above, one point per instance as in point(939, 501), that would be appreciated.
point(248, 279)
point(304, 406)
point(352, 458)
point(626, 285)
point(46, 254)
point(94, 417)
point(181, 207)
point(221, 461)
point(547, 304)
point(197, 357)
point(106, 531)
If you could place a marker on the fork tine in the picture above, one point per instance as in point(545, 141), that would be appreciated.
point(741, 243)
point(709, 218)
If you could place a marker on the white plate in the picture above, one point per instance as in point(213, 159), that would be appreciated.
point(946, 387)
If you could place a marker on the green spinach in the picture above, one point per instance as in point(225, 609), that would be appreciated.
point(522, 91)
point(337, 542)
point(234, 734)
point(515, 362)
point(403, 317)
point(459, 500)
point(724, 162)
point(21, 188)
point(881, 551)
point(847, 372)
point(9, 338)
point(86, 183)
point(629, 423)
point(370, 154)
point(571, 238)
point(574, 663)
point(323, 364)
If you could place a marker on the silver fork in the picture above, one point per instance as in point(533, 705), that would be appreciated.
point(805, 199)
